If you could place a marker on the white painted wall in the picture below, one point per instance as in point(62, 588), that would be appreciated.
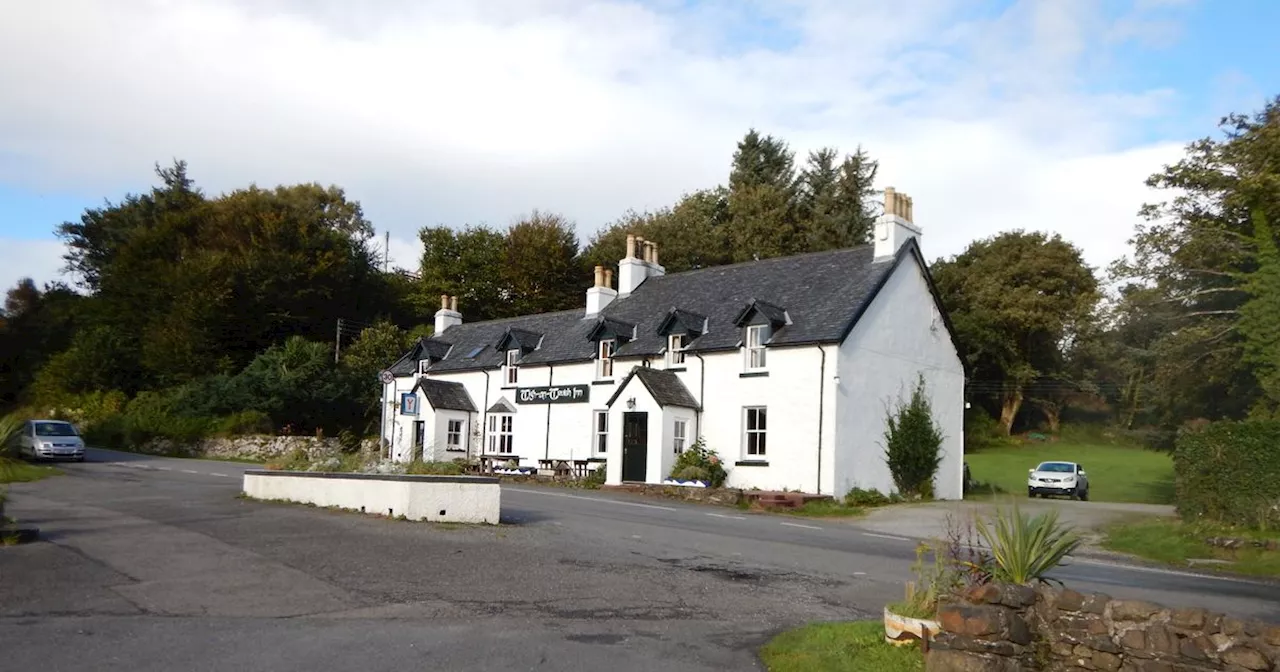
point(446, 500)
point(900, 336)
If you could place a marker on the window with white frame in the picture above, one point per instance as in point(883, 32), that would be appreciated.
point(423, 365)
point(512, 369)
point(500, 442)
point(602, 432)
point(753, 426)
point(680, 436)
point(453, 435)
point(757, 336)
point(675, 349)
point(604, 364)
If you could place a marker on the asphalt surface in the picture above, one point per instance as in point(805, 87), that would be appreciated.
point(154, 564)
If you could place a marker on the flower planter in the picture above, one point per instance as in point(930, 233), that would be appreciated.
point(902, 630)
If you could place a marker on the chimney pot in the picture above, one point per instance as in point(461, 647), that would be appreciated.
point(453, 303)
point(444, 301)
point(599, 281)
point(655, 254)
point(608, 278)
point(631, 246)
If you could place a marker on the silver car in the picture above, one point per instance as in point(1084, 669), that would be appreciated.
point(50, 439)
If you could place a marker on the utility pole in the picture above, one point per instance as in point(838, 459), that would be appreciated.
point(386, 254)
point(337, 342)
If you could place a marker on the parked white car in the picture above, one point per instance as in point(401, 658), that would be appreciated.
point(50, 439)
point(1058, 478)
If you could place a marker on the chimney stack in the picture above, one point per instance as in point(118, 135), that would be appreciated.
point(448, 315)
point(896, 226)
point(634, 270)
point(602, 292)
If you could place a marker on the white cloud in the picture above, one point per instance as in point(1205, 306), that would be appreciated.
point(40, 260)
point(446, 112)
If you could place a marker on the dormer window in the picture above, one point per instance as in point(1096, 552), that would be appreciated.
point(675, 349)
point(423, 365)
point(756, 337)
point(511, 370)
point(604, 363)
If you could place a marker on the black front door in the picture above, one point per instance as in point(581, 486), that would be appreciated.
point(635, 446)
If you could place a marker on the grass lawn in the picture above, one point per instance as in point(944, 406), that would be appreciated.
point(824, 508)
point(1117, 472)
point(1175, 542)
point(22, 472)
point(830, 647)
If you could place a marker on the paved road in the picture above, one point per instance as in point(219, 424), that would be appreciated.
point(154, 564)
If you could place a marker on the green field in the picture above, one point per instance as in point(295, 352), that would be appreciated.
point(1117, 472)
point(856, 646)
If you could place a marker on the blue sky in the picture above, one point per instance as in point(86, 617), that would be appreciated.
point(431, 114)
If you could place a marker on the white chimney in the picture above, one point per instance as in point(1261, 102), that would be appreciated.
point(448, 315)
point(631, 271)
point(894, 228)
point(602, 292)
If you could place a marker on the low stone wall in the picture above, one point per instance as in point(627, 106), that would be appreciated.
point(1012, 628)
point(441, 499)
point(728, 496)
point(259, 448)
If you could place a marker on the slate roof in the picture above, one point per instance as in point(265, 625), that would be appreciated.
point(445, 395)
point(665, 387)
point(816, 298)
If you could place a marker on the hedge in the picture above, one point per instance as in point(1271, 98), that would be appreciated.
point(1229, 472)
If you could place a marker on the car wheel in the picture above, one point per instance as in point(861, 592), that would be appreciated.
point(1031, 493)
point(1084, 495)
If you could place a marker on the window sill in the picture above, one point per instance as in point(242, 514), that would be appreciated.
point(751, 463)
point(509, 387)
point(754, 374)
point(597, 459)
point(676, 369)
point(455, 450)
point(604, 382)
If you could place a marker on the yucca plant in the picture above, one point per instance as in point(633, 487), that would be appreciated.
point(1025, 549)
point(9, 427)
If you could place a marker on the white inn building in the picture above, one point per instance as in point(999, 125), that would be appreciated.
point(785, 367)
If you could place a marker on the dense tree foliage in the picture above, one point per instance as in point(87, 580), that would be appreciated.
point(1020, 303)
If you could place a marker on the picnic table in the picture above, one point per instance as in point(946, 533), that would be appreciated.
point(576, 468)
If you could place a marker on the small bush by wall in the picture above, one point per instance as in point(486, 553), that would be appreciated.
point(913, 443)
point(1228, 472)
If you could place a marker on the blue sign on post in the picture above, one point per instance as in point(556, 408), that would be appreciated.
point(408, 403)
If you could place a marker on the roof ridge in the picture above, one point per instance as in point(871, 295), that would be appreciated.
point(497, 320)
point(766, 260)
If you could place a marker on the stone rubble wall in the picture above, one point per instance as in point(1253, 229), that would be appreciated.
point(259, 448)
point(1012, 628)
point(726, 496)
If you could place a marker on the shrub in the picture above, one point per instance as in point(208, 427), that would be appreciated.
point(594, 478)
point(1024, 549)
point(244, 423)
point(982, 431)
point(699, 463)
point(433, 468)
point(1228, 472)
point(860, 497)
point(913, 444)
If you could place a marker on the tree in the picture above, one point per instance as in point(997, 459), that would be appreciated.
point(693, 234)
point(1193, 259)
point(466, 264)
point(1019, 301)
point(1260, 318)
point(34, 326)
point(762, 199)
point(835, 206)
point(913, 443)
point(541, 270)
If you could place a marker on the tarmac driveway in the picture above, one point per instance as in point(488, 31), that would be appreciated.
point(934, 519)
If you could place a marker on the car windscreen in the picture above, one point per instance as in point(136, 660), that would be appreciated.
point(1059, 467)
point(54, 429)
